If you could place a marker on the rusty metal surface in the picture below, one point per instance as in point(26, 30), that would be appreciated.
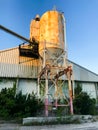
point(35, 29)
point(51, 32)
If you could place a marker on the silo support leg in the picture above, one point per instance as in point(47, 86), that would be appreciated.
point(46, 94)
point(71, 103)
point(70, 94)
point(46, 107)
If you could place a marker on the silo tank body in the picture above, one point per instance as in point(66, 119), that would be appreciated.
point(52, 33)
point(34, 28)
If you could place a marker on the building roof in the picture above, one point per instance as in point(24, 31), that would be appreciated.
point(83, 74)
point(12, 66)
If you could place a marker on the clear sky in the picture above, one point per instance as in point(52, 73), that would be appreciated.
point(81, 26)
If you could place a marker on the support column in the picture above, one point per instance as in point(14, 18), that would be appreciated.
point(38, 89)
point(73, 88)
point(70, 92)
point(56, 94)
point(96, 89)
point(46, 94)
point(17, 86)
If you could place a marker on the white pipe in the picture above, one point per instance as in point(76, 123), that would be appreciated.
point(65, 42)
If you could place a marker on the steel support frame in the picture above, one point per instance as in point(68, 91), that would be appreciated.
point(45, 75)
point(54, 72)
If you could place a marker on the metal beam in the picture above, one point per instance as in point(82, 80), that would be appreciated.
point(15, 34)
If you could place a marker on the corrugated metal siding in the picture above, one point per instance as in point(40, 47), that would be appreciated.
point(6, 83)
point(11, 65)
point(90, 89)
point(82, 74)
point(9, 56)
point(27, 86)
point(8, 70)
point(28, 67)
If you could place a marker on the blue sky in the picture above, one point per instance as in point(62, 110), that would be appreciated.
point(81, 26)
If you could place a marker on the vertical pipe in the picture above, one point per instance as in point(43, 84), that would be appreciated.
point(38, 89)
point(70, 92)
point(73, 84)
point(17, 86)
point(56, 94)
point(65, 42)
point(96, 89)
point(46, 80)
point(65, 60)
point(46, 94)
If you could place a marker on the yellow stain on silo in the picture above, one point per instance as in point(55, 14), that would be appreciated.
point(34, 28)
point(49, 28)
point(51, 32)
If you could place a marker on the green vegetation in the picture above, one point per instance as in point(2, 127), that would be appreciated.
point(18, 106)
point(82, 102)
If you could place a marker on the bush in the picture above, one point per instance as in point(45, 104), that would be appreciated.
point(19, 105)
point(82, 102)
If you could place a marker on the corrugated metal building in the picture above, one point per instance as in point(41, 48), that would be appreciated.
point(20, 70)
point(24, 71)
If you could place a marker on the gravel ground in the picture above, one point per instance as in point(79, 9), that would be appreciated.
point(85, 126)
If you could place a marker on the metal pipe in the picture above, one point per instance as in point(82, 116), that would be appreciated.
point(38, 88)
point(15, 34)
point(65, 47)
point(70, 92)
point(46, 94)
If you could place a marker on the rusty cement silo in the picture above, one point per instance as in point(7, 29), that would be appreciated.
point(34, 28)
point(52, 34)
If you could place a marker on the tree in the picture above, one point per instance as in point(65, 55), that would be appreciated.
point(82, 102)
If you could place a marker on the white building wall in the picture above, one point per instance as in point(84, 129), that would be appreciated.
point(6, 83)
point(90, 89)
point(27, 86)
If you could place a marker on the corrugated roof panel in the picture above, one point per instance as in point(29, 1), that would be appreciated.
point(11, 65)
point(82, 74)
